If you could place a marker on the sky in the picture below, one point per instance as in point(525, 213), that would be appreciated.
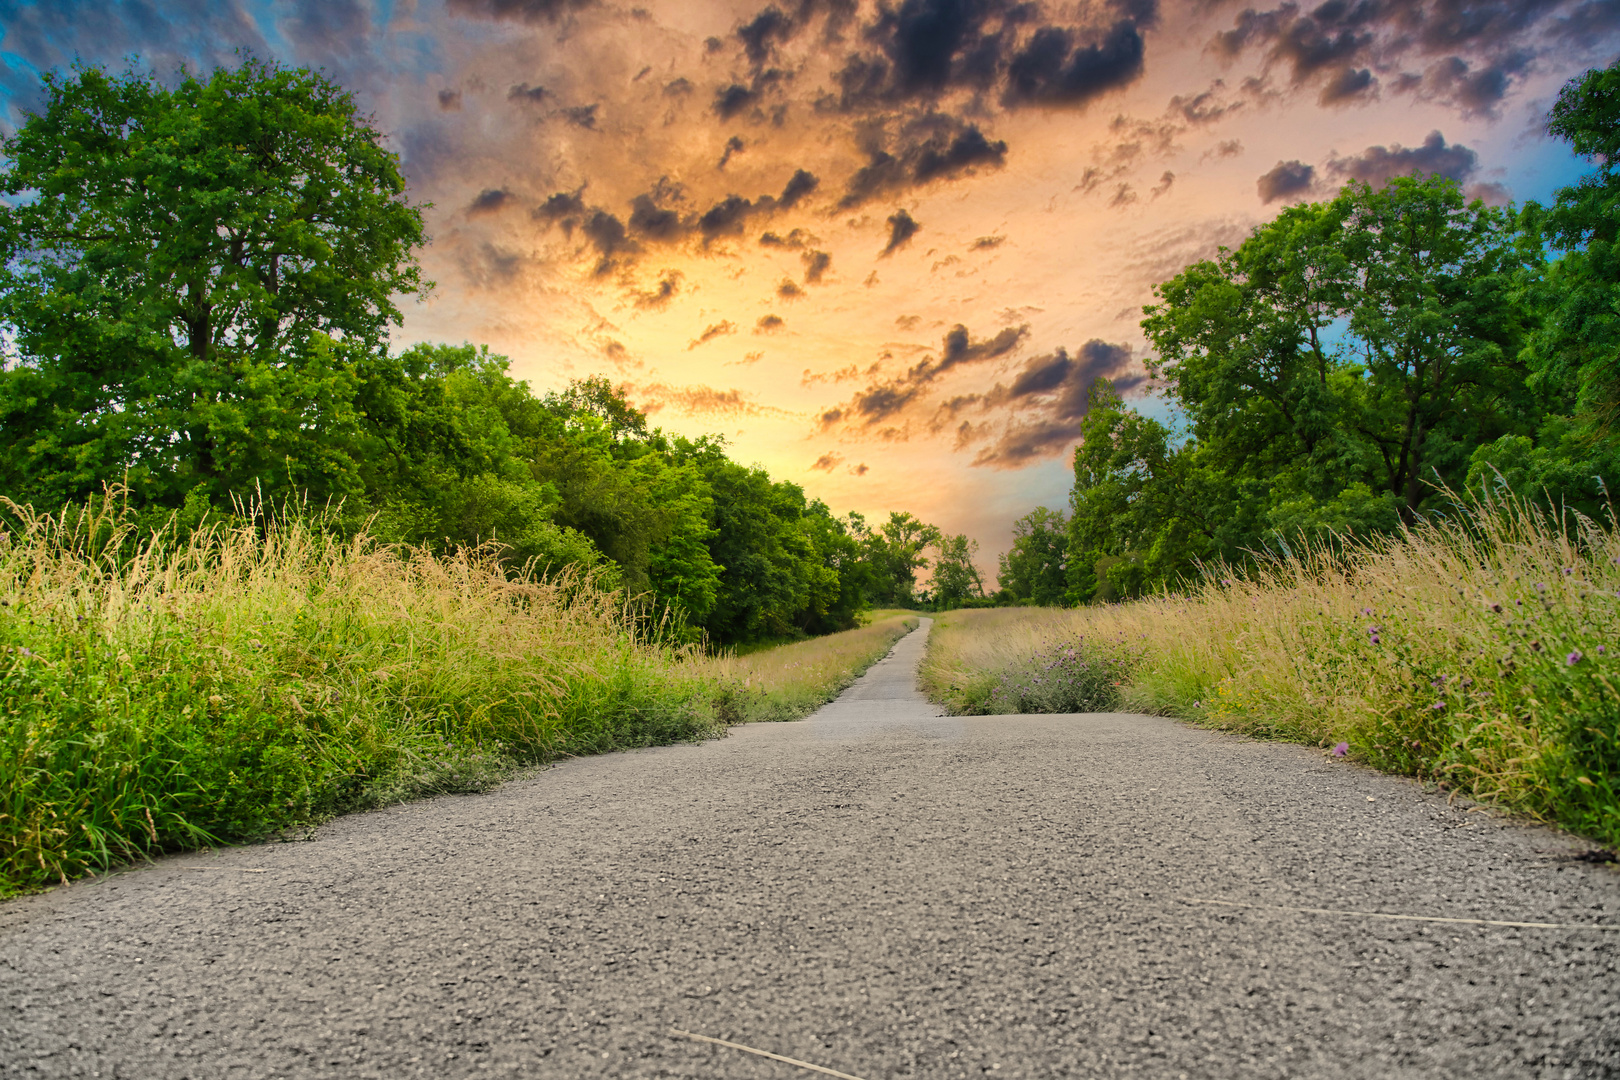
point(884, 249)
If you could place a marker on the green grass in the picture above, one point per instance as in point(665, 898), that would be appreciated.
point(266, 677)
point(1477, 652)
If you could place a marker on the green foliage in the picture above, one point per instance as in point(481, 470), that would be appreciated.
point(956, 579)
point(199, 282)
point(895, 551)
point(159, 696)
point(1034, 570)
point(1576, 347)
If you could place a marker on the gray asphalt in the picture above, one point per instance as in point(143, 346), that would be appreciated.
point(878, 890)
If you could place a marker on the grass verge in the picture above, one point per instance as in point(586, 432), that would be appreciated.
point(158, 696)
point(260, 678)
point(792, 681)
point(1478, 652)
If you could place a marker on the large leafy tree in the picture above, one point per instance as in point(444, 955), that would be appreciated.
point(197, 281)
point(1373, 340)
point(1578, 348)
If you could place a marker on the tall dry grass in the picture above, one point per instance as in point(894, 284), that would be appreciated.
point(792, 681)
point(1477, 651)
point(156, 695)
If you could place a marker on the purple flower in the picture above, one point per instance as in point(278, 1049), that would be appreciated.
point(1366, 611)
point(1600, 650)
point(1373, 637)
point(1573, 658)
point(1341, 749)
point(1437, 706)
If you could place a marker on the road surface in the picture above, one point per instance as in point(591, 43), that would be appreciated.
point(880, 891)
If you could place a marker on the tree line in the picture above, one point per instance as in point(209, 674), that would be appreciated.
point(197, 284)
point(1355, 366)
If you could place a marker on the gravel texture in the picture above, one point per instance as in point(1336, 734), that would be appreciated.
point(878, 890)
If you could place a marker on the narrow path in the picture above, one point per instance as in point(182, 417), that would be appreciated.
point(878, 890)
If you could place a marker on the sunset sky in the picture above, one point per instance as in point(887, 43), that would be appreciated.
point(882, 248)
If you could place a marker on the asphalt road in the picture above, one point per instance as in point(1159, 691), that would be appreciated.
point(878, 890)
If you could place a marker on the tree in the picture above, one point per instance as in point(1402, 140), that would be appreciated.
point(197, 283)
point(1578, 345)
point(956, 579)
point(1373, 340)
point(895, 552)
point(1034, 569)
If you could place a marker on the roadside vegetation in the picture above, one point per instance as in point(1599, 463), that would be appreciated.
point(1475, 650)
point(163, 694)
point(792, 681)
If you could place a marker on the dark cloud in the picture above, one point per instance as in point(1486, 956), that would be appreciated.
point(789, 289)
point(827, 462)
point(526, 94)
point(529, 11)
point(860, 470)
point(655, 222)
point(726, 217)
point(793, 241)
point(934, 146)
point(719, 329)
point(1377, 164)
point(1053, 68)
point(921, 50)
point(799, 185)
point(581, 116)
point(1473, 89)
point(1347, 86)
point(1225, 149)
point(964, 150)
point(768, 324)
point(985, 243)
point(881, 401)
point(561, 206)
point(902, 227)
point(1048, 399)
point(1288, 180)
point(1479, 46)
point(450, 100)
point(678, 88)
point(659, 296)
point(488, 201)
point(761, 34)
point(816, 264)
point(607, 234)
point(733, 99)
point(1204, 108)
point(734, 145)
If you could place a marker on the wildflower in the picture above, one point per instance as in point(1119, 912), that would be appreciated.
point(1568, 571)
point(1600, 650)
point(25, 650)
point(1540, 587)
point(1341, 749)
point(1366, 611)
point(1496, 608)
point(1373, 637)
point(1535, 645)
point(1437, 706)
point(1573, 658)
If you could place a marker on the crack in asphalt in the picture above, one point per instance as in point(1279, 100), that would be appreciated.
point(879, 889)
